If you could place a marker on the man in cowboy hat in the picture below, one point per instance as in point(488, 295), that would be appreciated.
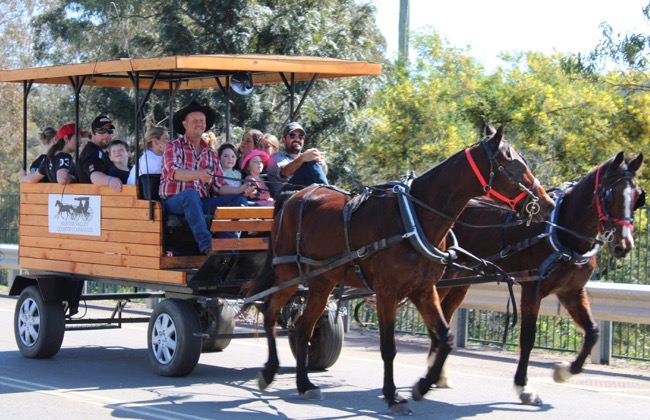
point(292, 168)
point(192, 181)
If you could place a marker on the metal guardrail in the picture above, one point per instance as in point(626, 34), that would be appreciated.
point(609, 301)
point(9, 256)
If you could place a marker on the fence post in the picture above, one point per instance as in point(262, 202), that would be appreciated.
point(602, 351)
point(460, 321)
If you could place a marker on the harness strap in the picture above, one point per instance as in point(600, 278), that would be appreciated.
point(512, 202)
point(414, 231)
point(349, 208)
point(328, 264)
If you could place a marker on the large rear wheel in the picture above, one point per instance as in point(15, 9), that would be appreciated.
point(39, 326)
point(174, 339)
point(326, 343)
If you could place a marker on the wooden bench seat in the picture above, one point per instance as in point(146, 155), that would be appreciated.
point(253, 223)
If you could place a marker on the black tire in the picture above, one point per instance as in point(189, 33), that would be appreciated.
point(224, 317)
point(326, 343)
point(174, 338)
point(39, 326)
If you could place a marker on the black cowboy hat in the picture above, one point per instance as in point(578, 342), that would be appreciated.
point(179, 117)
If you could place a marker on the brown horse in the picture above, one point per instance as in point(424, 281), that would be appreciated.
point(391, 255)
point(555, 260)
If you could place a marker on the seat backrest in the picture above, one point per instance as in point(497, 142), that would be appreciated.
point(149, 185)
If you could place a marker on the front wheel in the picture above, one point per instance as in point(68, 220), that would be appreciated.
point(39, 326)
point(174, 338)
point(326, 343)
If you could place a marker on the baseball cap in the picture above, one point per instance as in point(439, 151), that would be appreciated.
point(68, 130)
point(291, 127)
point(102, 122)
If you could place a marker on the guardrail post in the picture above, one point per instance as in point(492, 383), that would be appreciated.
point(602, 351)
point(460, 322)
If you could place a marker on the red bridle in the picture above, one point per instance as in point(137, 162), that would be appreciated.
point(491, 192)
point(603, 216)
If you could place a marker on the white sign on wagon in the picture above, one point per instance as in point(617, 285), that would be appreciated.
point(74, 214)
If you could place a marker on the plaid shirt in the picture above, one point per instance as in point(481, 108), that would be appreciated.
point(181, 154)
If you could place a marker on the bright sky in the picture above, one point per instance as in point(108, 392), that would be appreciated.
point(494, 26)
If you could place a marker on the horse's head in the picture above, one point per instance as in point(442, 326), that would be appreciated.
point(617, 194)
point(509, 178)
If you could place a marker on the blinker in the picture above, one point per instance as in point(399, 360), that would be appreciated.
point(640, 202)
point(515, 170)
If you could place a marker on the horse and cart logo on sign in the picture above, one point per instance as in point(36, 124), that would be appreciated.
point(74, 214)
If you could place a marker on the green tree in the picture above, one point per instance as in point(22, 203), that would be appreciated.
point(15, 52)
point(627, 51)
point(89, 30)
point(563, 125)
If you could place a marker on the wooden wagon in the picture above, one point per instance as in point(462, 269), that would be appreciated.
point(81, 232)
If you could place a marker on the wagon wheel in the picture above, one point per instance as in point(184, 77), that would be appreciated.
point(39, 326)
point(326, 343)
point(88, 214)
point(224, 319)
point(174, 338)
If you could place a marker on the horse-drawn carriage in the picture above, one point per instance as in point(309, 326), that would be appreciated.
point(80, 232)
point(392, 240)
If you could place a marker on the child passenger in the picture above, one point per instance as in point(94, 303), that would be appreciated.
point(253, 165)
point(119, 154)
point(228, 158)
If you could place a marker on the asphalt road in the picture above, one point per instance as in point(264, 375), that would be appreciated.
point(106, 374)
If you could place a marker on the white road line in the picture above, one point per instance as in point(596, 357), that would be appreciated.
point(83, 397)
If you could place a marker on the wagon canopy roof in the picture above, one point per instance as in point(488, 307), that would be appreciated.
point(192, 72)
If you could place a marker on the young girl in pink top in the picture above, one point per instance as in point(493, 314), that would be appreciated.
point(252, 166)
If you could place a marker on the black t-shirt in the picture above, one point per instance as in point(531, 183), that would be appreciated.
point(49, 167)
point(92, 159)
point(37, 164)
point(118, 173)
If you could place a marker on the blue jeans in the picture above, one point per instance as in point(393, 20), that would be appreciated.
point(309, 173)
point(188, 203)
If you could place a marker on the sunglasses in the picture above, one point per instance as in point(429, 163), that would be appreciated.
point(300, 136)
point(105, 130)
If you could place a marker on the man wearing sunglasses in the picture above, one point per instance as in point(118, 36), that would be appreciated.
point(94, 162)
point(292, 168)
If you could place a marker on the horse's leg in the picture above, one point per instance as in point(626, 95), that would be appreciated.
point(386, 312)
point(578, 306)
point(428, 304)
point(450, 300)
point(529, 312)
point(316, 304)
point(271, 309)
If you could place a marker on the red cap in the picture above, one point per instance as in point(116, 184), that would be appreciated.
point(68, 130)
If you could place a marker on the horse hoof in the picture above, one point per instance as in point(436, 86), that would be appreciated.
point(261, 382)
point(401, 409)
point(313, 395)
point(416, 394)
point(528, 396)
point(562, 372)
point(444, 383)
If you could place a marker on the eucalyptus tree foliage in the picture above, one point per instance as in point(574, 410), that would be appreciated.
point(90, 30)
point(15, 52)
point(629, 52)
